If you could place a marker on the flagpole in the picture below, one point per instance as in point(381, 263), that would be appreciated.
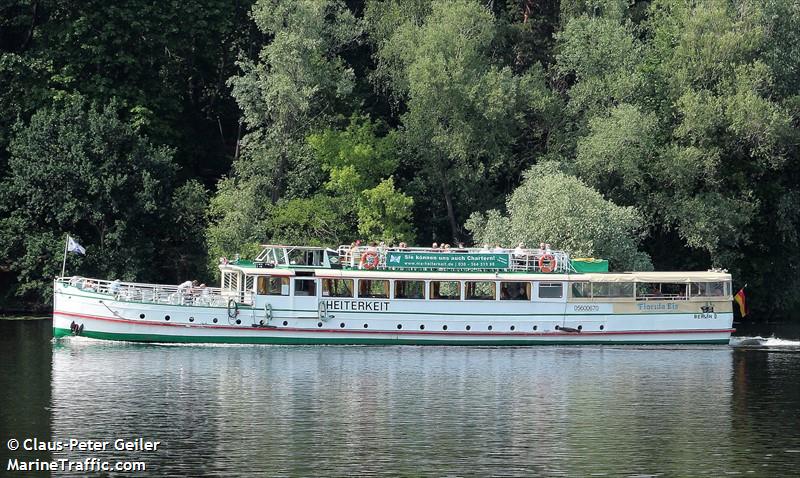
point(64, 264)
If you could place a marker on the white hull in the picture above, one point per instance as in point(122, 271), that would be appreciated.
point(387, 322)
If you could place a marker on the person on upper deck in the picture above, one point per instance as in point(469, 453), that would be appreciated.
point(114, 286)
point(186, 287)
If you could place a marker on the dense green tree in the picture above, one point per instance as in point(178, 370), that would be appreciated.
point(551, 206)
point(464, 111)
point(679, 116)
point(79, 169)
point(290, 91)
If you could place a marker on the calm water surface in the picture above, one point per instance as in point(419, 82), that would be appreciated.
point(459, 411)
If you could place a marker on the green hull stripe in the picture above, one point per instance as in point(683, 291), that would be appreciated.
point(59, 332)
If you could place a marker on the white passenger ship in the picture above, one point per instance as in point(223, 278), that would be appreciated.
point(371, 295)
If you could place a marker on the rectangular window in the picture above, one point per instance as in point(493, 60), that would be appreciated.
point(275, 285)
point(445, 290)
point(483, 290)
point(305, 287)
point(660, 291)
point(374, 289)
point(337, 287)
point(581, 290)
point(228, 280)
point(708, 289)
point(248, 283)
point(409, 289)
point(612, 289)
point(261, 285)
point(550, 290)
point(515, 291)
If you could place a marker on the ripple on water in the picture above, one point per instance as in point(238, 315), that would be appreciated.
point(555, 411)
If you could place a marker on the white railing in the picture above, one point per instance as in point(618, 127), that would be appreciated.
point(159, 293)
point(522, 260)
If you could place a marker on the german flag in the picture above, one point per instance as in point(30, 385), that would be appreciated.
point(742, 301)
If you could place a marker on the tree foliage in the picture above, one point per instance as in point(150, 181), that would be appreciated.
point(79, 169)
point(550, 206)
point(324, 121)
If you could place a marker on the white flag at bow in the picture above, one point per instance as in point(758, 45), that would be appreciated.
point(73, 246)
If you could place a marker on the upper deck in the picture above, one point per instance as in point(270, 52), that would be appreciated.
point(422, 259)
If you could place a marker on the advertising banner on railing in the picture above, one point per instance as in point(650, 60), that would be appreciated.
point(446, 260)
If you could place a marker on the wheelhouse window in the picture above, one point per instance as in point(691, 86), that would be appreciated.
point(268, 285)
point(660, 291)
point(708, 289)
point(551, 290)
point(374, 289)
point(337, 287)
point(515, 291)
point(445, 290)
point(409, 289)
point(612, 289)
point(581, 290)
point(483, 290)
point(305, 287)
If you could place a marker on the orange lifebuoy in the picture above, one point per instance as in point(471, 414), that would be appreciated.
point(369, 260)
point(547, 263)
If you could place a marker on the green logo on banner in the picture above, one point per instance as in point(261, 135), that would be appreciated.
point(448, 260)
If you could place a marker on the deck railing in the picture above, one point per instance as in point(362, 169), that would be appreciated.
point(159, 293)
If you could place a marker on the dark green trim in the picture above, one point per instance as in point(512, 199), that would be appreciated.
point(157, 338)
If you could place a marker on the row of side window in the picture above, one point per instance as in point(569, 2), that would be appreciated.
point(410, 289)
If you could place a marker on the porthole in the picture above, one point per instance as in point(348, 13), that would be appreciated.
point(238, 321)
point(422, 327)
point(535, 327)
point(444, 327)
point(602, 327)
point(166, 317)
point(285, 323)
point(319, 324)
point(512, 328)
point(399, 326)
point(191, 319)
point(366, 326)
point(216, 320)
point(557, 327)
point(341, 325)
point(141, 316)
point(580, 327)
point(469, 328)
point(490, 327)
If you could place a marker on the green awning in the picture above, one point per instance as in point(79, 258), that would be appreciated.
point(590, 265)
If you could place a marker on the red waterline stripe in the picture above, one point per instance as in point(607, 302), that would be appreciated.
point(397, 332)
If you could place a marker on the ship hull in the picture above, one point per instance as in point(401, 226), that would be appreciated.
point(100, 316)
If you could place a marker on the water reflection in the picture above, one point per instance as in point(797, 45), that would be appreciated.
point(25, 357)
point(370, 410)
point(555, 411)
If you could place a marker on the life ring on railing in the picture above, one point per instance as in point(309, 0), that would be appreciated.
point(233, 309)
point(369, 260)
point(547, 263)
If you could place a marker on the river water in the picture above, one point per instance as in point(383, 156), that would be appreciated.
point(402, 410)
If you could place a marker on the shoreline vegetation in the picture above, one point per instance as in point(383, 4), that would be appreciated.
point(163, 136)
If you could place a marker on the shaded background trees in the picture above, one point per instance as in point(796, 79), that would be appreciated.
point(662, 131)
